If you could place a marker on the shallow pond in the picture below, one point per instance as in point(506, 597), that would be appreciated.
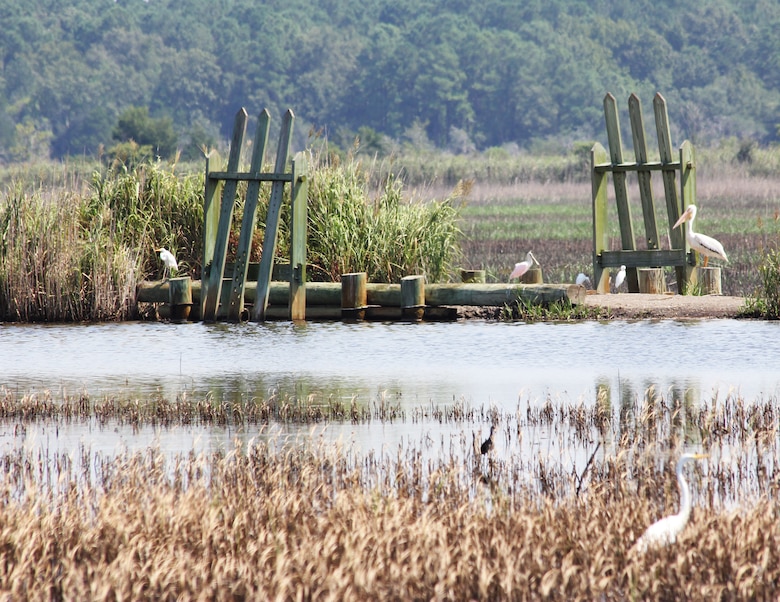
point(480, 364)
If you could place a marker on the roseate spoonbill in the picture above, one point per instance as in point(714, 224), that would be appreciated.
point(522, 267)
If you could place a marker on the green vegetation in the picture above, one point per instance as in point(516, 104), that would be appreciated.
point(498, 75)
point(765, 303)
point(79, 255)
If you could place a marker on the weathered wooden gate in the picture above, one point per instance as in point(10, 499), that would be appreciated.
point(218, 217)
point(604, 163)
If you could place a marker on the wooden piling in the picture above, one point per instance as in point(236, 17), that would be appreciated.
point(707, 280)
point(413, 297)
point(532, 276)
point(180, 298)
point(652, 281)
point(353, 295)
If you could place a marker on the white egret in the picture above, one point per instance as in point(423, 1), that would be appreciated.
point(705, 245)
point(665, 531)
point(582, 280)
point(523, 266)
point(168, 259)
point(620, 278)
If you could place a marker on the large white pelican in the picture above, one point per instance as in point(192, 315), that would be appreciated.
point(706, 245)
point(522, 267)
point(666, 530)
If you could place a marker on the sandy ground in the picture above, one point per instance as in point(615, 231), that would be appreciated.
point(635, 305)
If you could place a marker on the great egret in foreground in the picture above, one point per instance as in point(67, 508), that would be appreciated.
point(487, 444)
point(582, 279)
point(666, 530)
point(522, 267)
point(620, 278)
point(168, 259)
point(706, 245)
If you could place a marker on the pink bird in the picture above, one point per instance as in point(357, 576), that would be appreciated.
point(522, 267)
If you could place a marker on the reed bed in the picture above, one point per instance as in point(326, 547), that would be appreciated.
point(551, 513)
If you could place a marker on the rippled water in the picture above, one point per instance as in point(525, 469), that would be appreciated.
point(480, 363)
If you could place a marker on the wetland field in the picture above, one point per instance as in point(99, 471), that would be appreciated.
point(291, 504)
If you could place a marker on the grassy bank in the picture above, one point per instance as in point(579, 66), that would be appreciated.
point(275, 519)
point(74, 249)
point(77, 238)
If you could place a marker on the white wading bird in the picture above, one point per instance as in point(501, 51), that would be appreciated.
point(522, 267)
point(666, 530)
point(582, 280)
point(705, 245)
point(169, 261)
point(620, 278)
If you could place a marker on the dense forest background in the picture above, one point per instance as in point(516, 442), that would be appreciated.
point(79, 77)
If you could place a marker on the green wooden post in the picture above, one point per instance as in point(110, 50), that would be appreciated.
point(272, 219)
point(599, 156)
point(236, 304)
point(210, 303)
point(676, 236)
point(299, 196)
point(688, 197)
point(619, 181)
point(645, 184)
point(210, 222)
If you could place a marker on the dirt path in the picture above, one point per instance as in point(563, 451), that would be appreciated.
point(635, 305)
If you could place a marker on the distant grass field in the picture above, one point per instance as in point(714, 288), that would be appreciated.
point(554, 220)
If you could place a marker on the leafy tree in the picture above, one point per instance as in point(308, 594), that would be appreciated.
point(135, 125)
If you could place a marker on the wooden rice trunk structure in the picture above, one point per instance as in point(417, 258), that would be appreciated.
point(604, 163)
point(218, 217)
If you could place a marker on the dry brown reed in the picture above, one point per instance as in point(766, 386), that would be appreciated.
point(551, 514)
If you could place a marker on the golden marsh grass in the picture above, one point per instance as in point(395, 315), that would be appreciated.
point(553, 518)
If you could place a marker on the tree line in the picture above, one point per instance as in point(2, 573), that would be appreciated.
point(88, 77)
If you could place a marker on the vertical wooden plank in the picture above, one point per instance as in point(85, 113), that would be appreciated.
point(619, 182)
point(210, 222)
point(598, 156)
point(676, 236)
point(687, 197)
point(217, 267)
point(298, 235)
point(272, 219)
point(645, 183)
point(236, 304)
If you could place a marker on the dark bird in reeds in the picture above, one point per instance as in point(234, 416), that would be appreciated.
point(487, 444)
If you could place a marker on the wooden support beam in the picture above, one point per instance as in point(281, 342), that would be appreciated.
point(236, 303)
point(272, 218)
point(299, 198)
point(413, 297)
point(216, 267)
point(389, 295)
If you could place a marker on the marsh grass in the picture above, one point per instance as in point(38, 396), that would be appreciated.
point(429, 519)
point(502, 223)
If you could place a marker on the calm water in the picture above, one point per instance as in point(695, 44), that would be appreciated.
point(481, 363)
